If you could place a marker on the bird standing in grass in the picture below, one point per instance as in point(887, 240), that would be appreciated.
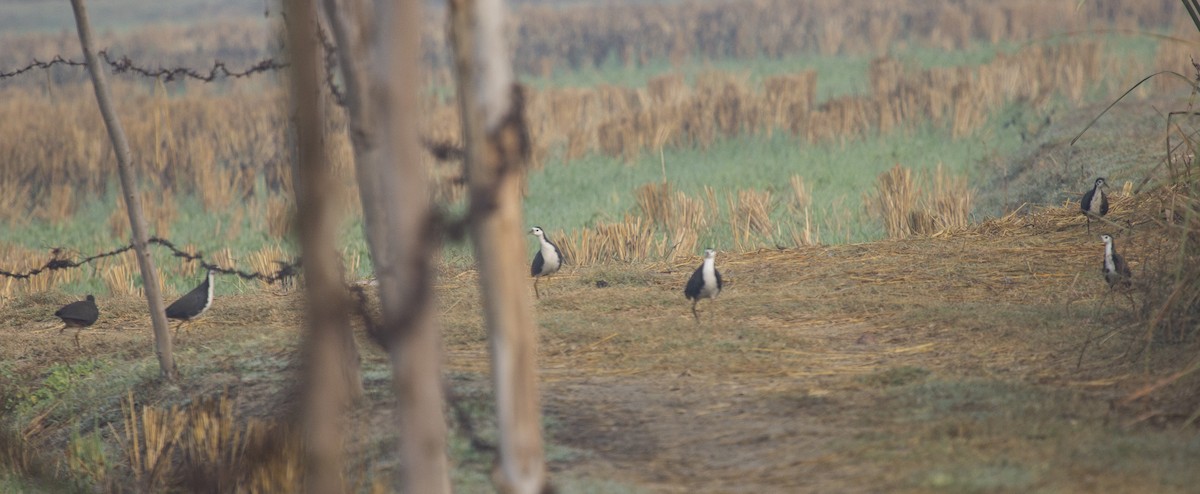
point(193, 304)
point(1094, 202)
point(704, 283)
point(1116, 271)
point(547, 260)
point(78, 315)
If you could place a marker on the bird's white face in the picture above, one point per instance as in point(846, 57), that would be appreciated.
point(1106, 238)
point(709, 253)
point(1100, 182)
point(537, 231)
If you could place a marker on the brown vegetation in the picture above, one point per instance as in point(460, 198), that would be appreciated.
point(810, 357)
point(224, 143)
point(920, 205)
point(230, 148)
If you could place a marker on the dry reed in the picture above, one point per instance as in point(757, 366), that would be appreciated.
point(894, 201)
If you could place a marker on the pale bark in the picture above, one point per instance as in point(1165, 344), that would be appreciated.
point(497, 146)
point(327, 366)
point(137, 222)
point(394, 189)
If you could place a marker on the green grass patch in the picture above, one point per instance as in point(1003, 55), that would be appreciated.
point(601, 188)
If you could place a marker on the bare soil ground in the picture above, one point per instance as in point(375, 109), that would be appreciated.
point(947, 364)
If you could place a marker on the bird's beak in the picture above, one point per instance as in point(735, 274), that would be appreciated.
point(530, 232)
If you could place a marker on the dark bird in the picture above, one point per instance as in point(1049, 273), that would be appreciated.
point(1094, 202)
point(704, 283)
point(547, 260)
point(193, 304)
point(78, 315)
point(1116, 271)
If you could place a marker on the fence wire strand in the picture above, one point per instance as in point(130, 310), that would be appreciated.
point(285, 274)
point(124, 64)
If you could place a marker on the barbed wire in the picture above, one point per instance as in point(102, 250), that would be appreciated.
point(56, 263)
point(286, 269)
point(285, 274)
point(126, 65)
point(38, 64)
point(442, 151)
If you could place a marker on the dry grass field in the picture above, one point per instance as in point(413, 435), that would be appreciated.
point(957, 353)
point(990, 358)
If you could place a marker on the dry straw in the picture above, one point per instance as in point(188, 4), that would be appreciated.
point(907, 208)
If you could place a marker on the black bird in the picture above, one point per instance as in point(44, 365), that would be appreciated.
point(78, 315)
point(1116, 270)
point(193, 304)
point(547, 260)
point(1094, 202)
point(704, 283)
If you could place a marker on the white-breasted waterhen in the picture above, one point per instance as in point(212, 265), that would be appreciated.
point(704, 283)
point(547, 261)
point(193, 304)
point(1094, 202)
point(1116, 270)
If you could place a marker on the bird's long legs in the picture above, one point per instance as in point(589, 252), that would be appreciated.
point(535, 288)
point(77, 331)
point(694, 313)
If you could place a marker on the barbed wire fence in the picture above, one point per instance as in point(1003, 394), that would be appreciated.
point(288, 271)
point(219, 70)
point(285, 274)
point(124, 64)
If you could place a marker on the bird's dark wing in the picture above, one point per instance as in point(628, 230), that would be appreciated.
point(189, 303)
point(90, 312)
point(70, 310)
point(695, 283)
point(175, 310)
point(1103, 204)
point(1085, 204)
point(1122, 267)
point(718, 273)
point(82, 312)
point(536, 268)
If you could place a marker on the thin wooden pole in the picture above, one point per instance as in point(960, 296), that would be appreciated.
point(137, 221)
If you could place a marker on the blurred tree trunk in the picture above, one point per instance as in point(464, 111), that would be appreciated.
point(137, 221)
point(394, 189)
point(497, 147)
point(331, 373)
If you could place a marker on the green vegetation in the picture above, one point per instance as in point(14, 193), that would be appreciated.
point(600, 188)
point(944, 364)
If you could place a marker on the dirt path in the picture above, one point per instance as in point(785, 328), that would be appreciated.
point(696, 435)
point(930, 365)
point(947, 364)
